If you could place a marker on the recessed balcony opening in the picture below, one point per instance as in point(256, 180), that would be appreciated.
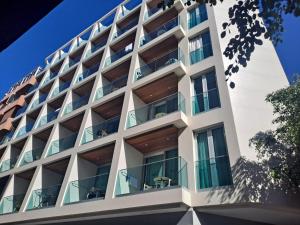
point(164, 54)
point(28, 122)
point(152, 163)
point(3, 184)
point(65, 135)
point(21, 109)
point(120, 49)
point(98, 44)
point(12, 201)
point(80, 41)
point(103, 120)
point(89, 67)
point(35, 146)
point(79, 97)
point(40, 76)
point(6, 135)
point(91, 179)
point(126, 24)
point(170, 23)
point(45, 194)
point(50, 113)
point(156, 100)
point(25, 86)
point(2, 150)
point(61, 86)
point(52, 73)
point(40, 97)
point(73, 59)
point(113, 80)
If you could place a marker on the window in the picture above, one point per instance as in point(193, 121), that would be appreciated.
point(206, 93)
point(197, 15)
point(200, 48)
point(213, 167)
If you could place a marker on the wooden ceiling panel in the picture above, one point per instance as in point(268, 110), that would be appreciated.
point(27, 175)
point(59, 167)
point(118, 71)
point(158, 89)
point(74, 123)
point(99, 156)
point(85, 89)
point(43, 135)
point(155, 140)
point(168, 15)
point(111, 108)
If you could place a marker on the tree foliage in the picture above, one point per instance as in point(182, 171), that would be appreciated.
point(255, 20)
point(279, 150)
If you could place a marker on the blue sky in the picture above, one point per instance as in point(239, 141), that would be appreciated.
point(73, 16)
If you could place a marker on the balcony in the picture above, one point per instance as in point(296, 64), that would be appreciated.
point(157, 109)
point(151, 12)
point(15, 101)
point(8, 164)
point(160, 30)
point(21, 110)
point(168, 59)
point(31, 156)
point(213, 172)
point(91, 188)
point(61, 88)
point(11, 204)
point(48, 118)
point(62, 144)
point(87, 72)
point(111, 87)
point(38, 101)
point(76, 104)
point(43, 198)
point(132, 23)
point(118, 55)
point(95, 48)
point(157, 175)
point(50, 77)
point(25, 129)
point(205, 101)
point(72, 62)
point(101, 130)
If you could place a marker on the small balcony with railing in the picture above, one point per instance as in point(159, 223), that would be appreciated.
point(97, 44)
point(103, 120)
point(3, 181)
point(52, 73)
point(89, 180)
point(165, 57)
point(79, 97)
point(88, 68)
point(65, 135)
point(39, 98)
point(129, 8)
point(6, 136)
point(113, 80)
point(156, 165)
point(60, 87)
point(46, 191)
point(103, 25)
point(12, 200)
point(49, 115)
point(155, 100)
point(118, 50)
point(35, 146)
point(72, 60)
point(27, 124)
point(126, 24)
point(22, 109)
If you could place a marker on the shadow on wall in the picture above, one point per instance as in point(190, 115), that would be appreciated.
point(253, 183)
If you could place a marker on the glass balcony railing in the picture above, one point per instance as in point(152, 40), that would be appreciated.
point(213, 172)
point(159, 31)
point(48, 118)
point(31, 156)
point(201, 53)
point(59, 58)
point(153, 176)
point(21, 110)
point(50, 77)
point(123, 30)
point(71, 63)
point(95, 47)
point(111, 87)
point(11, 204)
point(101, 130)
point(157, 109)
point(61, 88)
point(25, 129)
point(38, 101)
point(151, 12)
point(76, 104)
point(8, 164)
point(43, 198)
point(62, 144)
point(205, 101)
point(118, 55)
point(87, 72)
point(170, 58)
point(7, 137)
point(86, 189)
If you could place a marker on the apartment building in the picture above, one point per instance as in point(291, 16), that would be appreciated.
point(132, 122)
